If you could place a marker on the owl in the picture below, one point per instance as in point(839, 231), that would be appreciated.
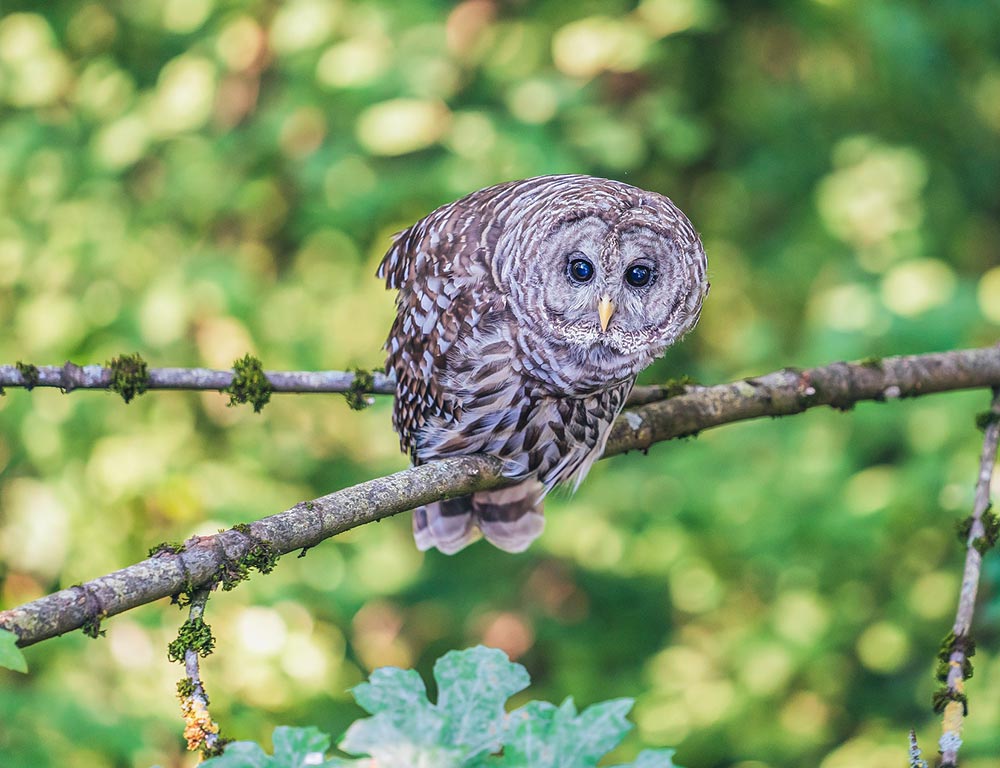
point(524, 313)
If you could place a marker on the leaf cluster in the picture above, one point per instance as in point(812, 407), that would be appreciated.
point(468, 726)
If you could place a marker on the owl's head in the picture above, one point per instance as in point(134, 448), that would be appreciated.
point(606, 273)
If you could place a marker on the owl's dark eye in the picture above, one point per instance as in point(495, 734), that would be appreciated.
point(581, 270)
point(638, 275)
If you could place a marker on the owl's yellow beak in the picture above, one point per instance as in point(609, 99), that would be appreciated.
point(605, 309)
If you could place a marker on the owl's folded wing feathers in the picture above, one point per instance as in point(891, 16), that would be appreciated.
point(440, 268)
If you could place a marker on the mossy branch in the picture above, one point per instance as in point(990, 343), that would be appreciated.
point(839, 384)
point(954, 664)
point(169, 572)
point(194, 640)
point(69, 377)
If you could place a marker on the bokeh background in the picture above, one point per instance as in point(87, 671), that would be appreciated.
point(199, 179)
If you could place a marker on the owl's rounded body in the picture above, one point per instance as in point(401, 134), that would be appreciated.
point(525, 311)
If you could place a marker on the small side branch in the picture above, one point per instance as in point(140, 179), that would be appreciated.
point(200, 731)
point(915, 760)
point(959, 645)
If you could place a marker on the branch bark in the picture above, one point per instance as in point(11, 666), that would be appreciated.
point(207, 559)
point(982, 533)
point(70, 376)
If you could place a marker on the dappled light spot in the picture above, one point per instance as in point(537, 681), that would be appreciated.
point(121, 143)
point(240, 43)
point(185, 16)
point(35, 525)
point(33, 72)
point(390, 565)
point(806, 715)
point(874, 192)
point(986, 98)
point(164, 312)
point(883, 647)
point(850, 307)
point(800, 616)
point(932, 596)
point(261, 631)
point(534, 101)
point(662, 719)
point(668, 17)
point(914, 287)
point(694, 587)
point(131, 645)
point(184, 97)
point(509, 631)
point(376, 637)
point(929, 428)
point(870, 490)
point(468, 24)
point(400, 126)
point(595, 44)
point(91, 28)
point(302, 132)
point(587, 538)
point(103, 90)
point(988, 293)
point(472, 135)
point(765, 668)
point(354, 63)
point(302, 24)
point(308, 660)
point(221, 339)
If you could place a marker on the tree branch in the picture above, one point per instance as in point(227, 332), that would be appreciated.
point(959, 645)
point(213, 558)
point(200, 731)
point(70, 376)
point(912, 375)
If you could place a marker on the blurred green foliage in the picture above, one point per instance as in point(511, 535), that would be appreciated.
point(202, 179)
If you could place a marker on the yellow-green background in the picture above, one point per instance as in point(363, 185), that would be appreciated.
point(199, 179)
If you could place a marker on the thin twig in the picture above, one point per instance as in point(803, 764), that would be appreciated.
point(203, 559)
point(960, 641)
point(69, 377)
point(201, 732)
point(897, 377)
point(915, 760)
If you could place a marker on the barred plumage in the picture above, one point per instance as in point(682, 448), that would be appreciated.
point(524, 313)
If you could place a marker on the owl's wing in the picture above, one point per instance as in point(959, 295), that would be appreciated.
point(440, 266)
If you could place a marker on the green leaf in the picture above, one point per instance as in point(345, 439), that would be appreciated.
point(295, 745)
point(391, 689)
point(541, 735)
point(241, 754)
point(468, 720)
point(10, 655)
point(293, 748)
point(404, 724)
point(653, 758)
point(473, 687)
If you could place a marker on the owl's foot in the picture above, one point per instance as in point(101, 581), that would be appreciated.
point(510, 518)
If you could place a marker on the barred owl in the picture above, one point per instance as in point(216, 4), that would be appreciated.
point(524, 313)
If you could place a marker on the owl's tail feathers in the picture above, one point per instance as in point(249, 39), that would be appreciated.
point(447, 525)
point(510, 518)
